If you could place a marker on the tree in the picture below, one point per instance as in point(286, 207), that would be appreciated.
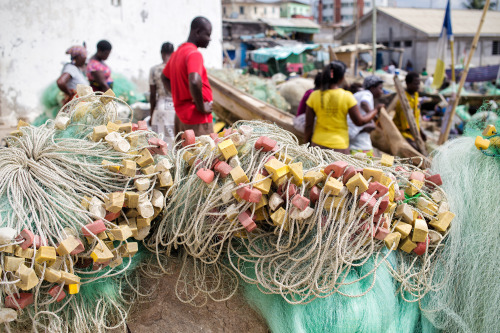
point(475, 4)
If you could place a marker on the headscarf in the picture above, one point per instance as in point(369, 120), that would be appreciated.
point(372, 81)
point(77, 50)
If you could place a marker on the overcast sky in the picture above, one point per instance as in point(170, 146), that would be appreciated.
point(455, 4)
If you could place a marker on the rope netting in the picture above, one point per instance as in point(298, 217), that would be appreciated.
point(82, 194)
point(61, 225)
point(299, 257)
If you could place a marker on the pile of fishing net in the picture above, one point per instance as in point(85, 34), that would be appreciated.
point(260, 88)
point(296, 221)
point(470, 169)
point(77, 195)
point(322, 241)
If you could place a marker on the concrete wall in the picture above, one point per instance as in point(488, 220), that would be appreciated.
point(34, 36)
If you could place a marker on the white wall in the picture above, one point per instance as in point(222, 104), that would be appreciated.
point(34, 36)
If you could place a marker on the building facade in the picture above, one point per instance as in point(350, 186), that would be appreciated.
point(343, 11)
point(418, 30)
point(250, 9)
point(290, 9)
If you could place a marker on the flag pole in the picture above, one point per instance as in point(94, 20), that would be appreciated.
point(445, 134)
point(452, 47)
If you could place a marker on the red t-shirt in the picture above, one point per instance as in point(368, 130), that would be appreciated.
point(187, 59)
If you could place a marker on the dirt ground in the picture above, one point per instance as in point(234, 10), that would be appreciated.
point(165, 314)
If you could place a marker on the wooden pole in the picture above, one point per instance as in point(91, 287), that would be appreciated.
point(332, 54)
point(444, 135)
point(410, 117)
point(356, 40)
point(374, 37)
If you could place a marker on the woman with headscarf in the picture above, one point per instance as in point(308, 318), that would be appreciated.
point(98, 73)
point(162, 105)
point(73, 73)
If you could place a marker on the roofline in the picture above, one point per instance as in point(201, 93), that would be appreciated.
point(367, 15)
point(381, 9)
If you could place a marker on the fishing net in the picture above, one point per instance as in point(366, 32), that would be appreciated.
point(52, 97)
point(67, 243)
point(469, 261)
point(262, 89)
point(301, 253)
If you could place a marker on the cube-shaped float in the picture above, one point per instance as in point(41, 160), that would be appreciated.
point(417, 175)
point(443, 221)
point(433, 180)
point(46, 254)
point(407, 245)
point(265, 143)
point(297, 172)
point(263, 183)
point(387, 160)
point(101, 253)
point(206, 175)
point(93, 228)
point(314, 194)
point(349, 172)
point(377, 188)
point(188, 138)
point(420, 231)
point(145, 158)
point(246, 220)
point(223, 169)
point(129, 249)
point(228, 149)
point(333, 186)
point(115, 202)
point(481, 143)
point(27, 276)
point(404, 229)
point(239, 175)
point(359, 182)
point(300, 202)
point(275, 201)
point(374, 174)
point(279, 218)
point(99, 132)
point(18, 301)
point(128, 168)
point(489, 130)
point(391, 241)
point(413, 187)
point(58, 292)
point(405, 212)
point(336, 169)
point(121, 232)
point(276, 169)
point(313, 178)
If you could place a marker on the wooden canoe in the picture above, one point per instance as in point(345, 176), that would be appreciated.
point(232, 104)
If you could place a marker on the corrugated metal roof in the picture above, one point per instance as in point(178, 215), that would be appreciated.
point(430, 21)
point(290, 23)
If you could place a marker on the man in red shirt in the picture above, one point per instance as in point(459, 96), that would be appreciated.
point(186, 78)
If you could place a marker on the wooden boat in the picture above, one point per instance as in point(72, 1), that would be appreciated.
point(232, 104)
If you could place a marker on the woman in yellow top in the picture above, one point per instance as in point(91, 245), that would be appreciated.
point(412, 86)
point(330, 105)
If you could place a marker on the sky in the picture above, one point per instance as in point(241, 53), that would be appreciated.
point(455, 4)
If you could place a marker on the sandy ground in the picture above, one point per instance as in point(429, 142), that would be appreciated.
point(165, 313)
